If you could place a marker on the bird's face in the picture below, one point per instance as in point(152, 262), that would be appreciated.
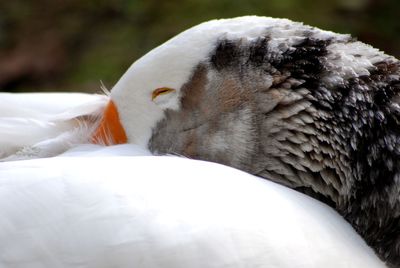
point(231, 91)
point(168, 78)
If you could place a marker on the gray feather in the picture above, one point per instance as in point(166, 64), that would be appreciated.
point(320, 115)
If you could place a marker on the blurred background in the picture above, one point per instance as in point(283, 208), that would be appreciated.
point(61, 45)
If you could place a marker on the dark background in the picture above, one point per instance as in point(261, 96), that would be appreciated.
point(55, 45)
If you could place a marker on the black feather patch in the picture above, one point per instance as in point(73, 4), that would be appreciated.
point(226, 54)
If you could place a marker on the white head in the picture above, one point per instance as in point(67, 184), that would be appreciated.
point(154, 83)
point(170, 66)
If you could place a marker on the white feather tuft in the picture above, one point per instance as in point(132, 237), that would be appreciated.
point(40, 125)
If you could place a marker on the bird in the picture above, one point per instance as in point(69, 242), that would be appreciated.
point(310, 109)
point(120, 206)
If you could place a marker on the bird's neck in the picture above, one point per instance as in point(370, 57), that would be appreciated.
point(303, 157)
point(353, 172)
point(344, 153)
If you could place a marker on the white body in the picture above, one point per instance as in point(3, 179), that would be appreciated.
point(92, 208)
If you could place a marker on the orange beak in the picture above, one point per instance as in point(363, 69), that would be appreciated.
point(110, 130)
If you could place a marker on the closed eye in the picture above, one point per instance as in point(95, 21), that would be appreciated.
point(161, 91)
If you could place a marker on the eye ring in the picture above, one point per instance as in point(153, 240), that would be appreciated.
point(161, 91)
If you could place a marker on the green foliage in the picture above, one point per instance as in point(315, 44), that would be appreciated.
point(84, 42)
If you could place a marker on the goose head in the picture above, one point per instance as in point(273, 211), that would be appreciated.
point(159, 81)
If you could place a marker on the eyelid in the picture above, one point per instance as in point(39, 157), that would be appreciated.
point(160, 91)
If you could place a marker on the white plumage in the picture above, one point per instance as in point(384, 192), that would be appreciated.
point(113, 207)
point(42, 124)
point(146, 211)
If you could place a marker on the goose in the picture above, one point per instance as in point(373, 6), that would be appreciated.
point(310, 109)
point(119, 206)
